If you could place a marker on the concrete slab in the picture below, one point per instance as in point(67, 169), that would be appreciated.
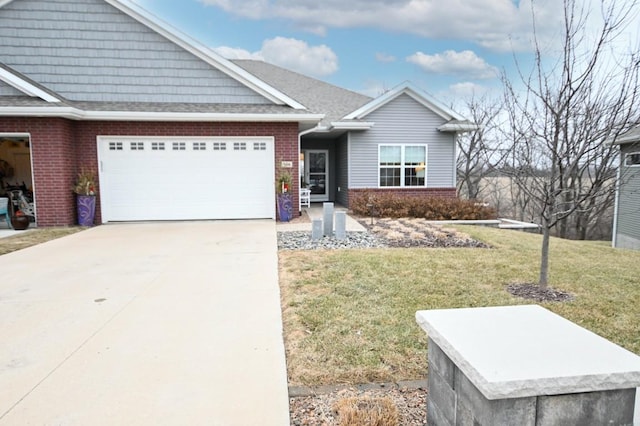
point(315, 212)
point(155, 323)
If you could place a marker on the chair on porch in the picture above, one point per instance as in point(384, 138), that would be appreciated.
point(305, 197)
point(4, 210)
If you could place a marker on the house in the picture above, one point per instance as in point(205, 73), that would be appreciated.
point(626, 219)
point(177, 132)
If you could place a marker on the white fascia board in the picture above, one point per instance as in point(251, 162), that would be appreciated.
point(355, 125)
point(26, 87)
point(459, 127)
point(204, 53)
point(5, 2)
point(632, 136)
point(413, 92)
point(77, 114)
point(173, 116)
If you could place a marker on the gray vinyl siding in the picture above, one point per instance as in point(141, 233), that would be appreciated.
point(322, 144)
point(87, 50)
point(402, 121)
point(6, 90)
point(342, 170)
point(628, 221)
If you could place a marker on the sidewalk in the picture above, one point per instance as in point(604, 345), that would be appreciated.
point(315, 212)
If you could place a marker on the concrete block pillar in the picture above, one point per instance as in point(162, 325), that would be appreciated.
point(316, 229)
point(341, 225)
point(327, 218)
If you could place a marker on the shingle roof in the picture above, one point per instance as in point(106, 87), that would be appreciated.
point(318, 96)
point(188, 108)
point(27, 101)
point(632, 135)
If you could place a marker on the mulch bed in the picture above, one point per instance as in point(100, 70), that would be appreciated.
point(410, 232)
point(326, 406)
point(535, 292)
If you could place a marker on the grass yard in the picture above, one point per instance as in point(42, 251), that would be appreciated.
point(34, 236)
point(349, 315)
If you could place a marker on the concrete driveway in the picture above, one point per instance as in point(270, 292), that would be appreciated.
point(144, 324)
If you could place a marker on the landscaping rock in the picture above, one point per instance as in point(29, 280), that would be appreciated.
point(383, 233)
point(320, 408)
point(302, 240)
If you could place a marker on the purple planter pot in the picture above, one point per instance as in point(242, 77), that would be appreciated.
point(285, 208)
point(86, 209)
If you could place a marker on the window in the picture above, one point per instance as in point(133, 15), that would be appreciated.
point(199, 146)
point(632, 159)
point(239, 146)
point(179, 146)
point(137, 146)
point(402, 165)
point(115, 146)
point(157, 146)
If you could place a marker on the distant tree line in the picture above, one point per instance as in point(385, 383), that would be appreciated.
point(545, 151)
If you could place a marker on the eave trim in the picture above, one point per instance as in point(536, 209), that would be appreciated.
point(78, 114)
point(26, 87)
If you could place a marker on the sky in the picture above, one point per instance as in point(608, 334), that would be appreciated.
point(448, 48)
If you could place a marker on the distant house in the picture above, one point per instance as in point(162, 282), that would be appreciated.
point(626, 222)
point(177, 132)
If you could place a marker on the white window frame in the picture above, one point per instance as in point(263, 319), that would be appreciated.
point(402, 164)
point(627, 157)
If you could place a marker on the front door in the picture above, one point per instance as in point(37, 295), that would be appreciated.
point(316, 167)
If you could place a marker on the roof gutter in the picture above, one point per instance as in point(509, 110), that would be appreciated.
point(459, 127)
point(351, 125)
point(78, 114)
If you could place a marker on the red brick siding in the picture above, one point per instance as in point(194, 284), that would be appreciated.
point(60, 147)
point(53, 159)
point(410, 192)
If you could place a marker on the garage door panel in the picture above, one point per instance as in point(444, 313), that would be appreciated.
point(208, 178)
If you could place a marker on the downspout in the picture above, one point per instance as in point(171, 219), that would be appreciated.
point(455, 162)
point(614, 237)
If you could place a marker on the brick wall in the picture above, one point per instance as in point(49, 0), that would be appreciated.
point(53, 162)
point(59, 148)
point(409, 192)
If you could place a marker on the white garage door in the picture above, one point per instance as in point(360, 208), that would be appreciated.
point(186, 178)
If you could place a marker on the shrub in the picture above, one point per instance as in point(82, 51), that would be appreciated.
point(430, 208)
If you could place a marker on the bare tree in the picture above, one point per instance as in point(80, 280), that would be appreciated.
point(564, 120)
point(478, 151)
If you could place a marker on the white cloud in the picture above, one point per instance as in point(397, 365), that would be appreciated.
point(297, 55)
point(383, 57)
point(467, 89)
point(237, 53)
point(465, 63)
point(289, 53)
point(495, 24)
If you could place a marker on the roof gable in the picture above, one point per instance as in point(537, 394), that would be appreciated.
point(317, 95)
point(7, 89)
point(405, 89)
point(21, 86)
point(112, 50)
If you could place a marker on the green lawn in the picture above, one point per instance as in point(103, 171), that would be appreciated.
point(349, 315)
point(35, 236)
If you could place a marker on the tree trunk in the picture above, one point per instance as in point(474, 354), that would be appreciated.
point(543, 282)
